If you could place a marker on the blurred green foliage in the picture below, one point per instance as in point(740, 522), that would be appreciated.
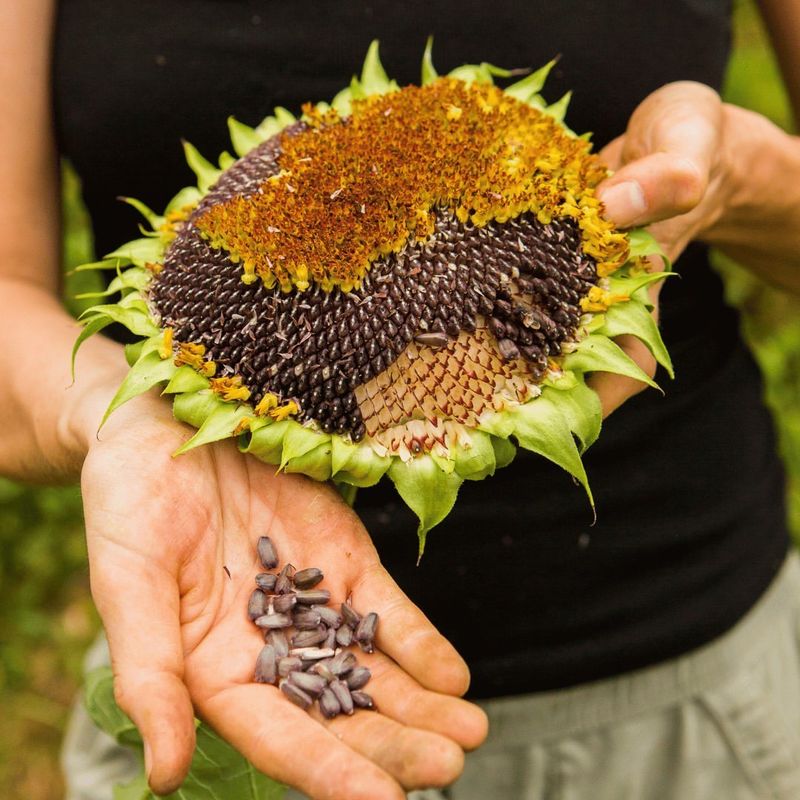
point(46, 616)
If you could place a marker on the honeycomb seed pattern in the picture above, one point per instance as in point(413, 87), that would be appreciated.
point(477, 310)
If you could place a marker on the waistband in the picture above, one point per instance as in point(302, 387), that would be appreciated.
point(568, 711)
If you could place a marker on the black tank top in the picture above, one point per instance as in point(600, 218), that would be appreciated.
point(690, 493)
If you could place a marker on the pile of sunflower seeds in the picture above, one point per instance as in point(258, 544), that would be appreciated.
point(305, 639)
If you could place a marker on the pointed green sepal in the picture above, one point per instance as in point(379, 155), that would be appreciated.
point(428, 491)
point(153, 220)
point(343, 102)
point(429, 73)
point(91, 326)
point(186, 379)
point(284, 117)
point(374, 79)
point(226, 160)
point(315, 463)
point(630, 284)
point(472, 73)
point(134, 319)
point(243, 137)
point(504, 452)
point(474, 459)
point(189, 196)
point(148, 371)
point(642, 243)
point(138, 252)
point(133, 351)
point(527, 90)
point(357, 464)
point(266, 443)
point(582, 410)
point(498, 423)
point(633, 318)
point(558, 110)
point(105, 263)
point(207, 174)
point(541, 427)
point(220, 424)
point(596, 353)
point(300, 440)
point(194, 408)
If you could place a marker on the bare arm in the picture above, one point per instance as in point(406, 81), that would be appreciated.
point(46, 428)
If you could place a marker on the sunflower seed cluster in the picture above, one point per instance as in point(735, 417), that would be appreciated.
point(523, 279)
point(305, 640)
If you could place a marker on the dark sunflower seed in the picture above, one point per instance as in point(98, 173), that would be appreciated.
point(330, 639)
point(328, 704)
point(265, 665)
point(434, 340)
point(266, 581)
point(288, 664)
point(284, 603)
point(344, 636)
point(297, 696)
point(308, 578)
point(329, 616)
point(362, 700)
point(365, 632)
point(274, 621)
point(342, 694)
point(322, 668)
point(343, 663)
point(312, 653)
point(309, 638)
point(257, 605)
point(313, 597)
point(306, 619)
point(358, 678)
point(313, 684)
point(277, 638)
point(266, 553)
point(283, 583)
point(351, 616)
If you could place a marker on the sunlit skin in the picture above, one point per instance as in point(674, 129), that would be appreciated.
point(161, 530)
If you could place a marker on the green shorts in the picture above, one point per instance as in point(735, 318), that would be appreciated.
point(721, 723)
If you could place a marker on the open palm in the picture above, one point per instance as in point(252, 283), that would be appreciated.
point(172, 555)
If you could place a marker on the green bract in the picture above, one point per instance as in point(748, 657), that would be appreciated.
point(555, 414)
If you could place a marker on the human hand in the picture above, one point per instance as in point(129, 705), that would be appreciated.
point(670, 174)
point(160, 533)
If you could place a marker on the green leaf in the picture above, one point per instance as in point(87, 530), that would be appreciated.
point(630, 284)
point(134, 319)
point(357, 464)
point(343, 102)
point(219, 424)
point(643, 243)
point(429, 73)
point(504, 452)
point(207, 174)
point(243, 137)
point(133, 351)
point(266, 443)
point(137, 278)
point(427, 490)
point(582, 410)
point(91, 326)
point(149, 370)
point(475, 460)
point(634, 318)
point(472, 73)
point(597, 353)
point(498, 423)
point(374, 79)
point(139, 252)
point(300, 440)
point(194, 408)
point(529, 87)
point(186, 379)
point(541, 427)
point(315, 463)
point(106, 263)
point(153, 220)
point(217, 772)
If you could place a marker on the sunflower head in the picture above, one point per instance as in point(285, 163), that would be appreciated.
point(409, 282)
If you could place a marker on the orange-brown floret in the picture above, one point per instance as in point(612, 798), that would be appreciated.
point(353, 189)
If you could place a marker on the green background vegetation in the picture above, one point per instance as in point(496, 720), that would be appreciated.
point(46, 616)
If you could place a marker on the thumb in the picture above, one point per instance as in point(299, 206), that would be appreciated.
point(666, 157)
point(139, 604)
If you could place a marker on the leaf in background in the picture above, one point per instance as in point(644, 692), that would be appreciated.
point(218, 772)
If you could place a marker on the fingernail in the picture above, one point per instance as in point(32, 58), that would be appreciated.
point(624, 203)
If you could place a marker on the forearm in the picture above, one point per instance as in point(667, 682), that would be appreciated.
point(760, 222)
point(48, 420)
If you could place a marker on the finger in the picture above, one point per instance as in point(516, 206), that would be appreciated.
point(400, 697)
point(289, 745)
point(614, 390)
point(415, 758)
point(138, 603)
point(406, 635)
point(667, 157)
